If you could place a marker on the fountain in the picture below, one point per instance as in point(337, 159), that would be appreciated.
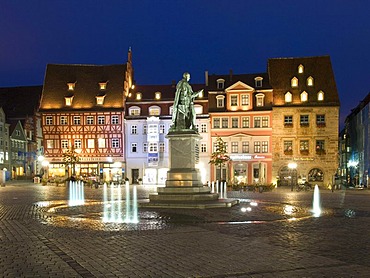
point(316, 202)
point(76, 193)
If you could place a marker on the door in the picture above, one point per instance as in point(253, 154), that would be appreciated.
point(135, 176)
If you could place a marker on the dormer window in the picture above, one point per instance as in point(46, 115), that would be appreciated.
point(300, 68)
point(100, 100)
point(304, 96)
point(288, 97)
point(71, 86)
point(260, 100)
point(68, 100)
point(320, 96)
point(310, 81)
point(157, 95)
point(220, 84)
point(294, 82)
point(138, 96)
point(103, 85)
point(258, 81)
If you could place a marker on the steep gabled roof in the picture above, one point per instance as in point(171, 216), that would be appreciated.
point(86, 79)
point(282, 70)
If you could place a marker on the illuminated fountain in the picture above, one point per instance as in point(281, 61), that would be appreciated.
point(113, 205)
point(76, 193)
point(316, 209)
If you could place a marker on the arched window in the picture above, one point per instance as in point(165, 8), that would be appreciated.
point(134, 111)
point(260, 100)
point(320, 96)
point(220, 101)
point(220, 84)
point(310, 81)
point(315, 174)
point(258, 81)
point(304, 96)
point(300, 68)
point(288, 97)
point(294, 82)
point(154, 111)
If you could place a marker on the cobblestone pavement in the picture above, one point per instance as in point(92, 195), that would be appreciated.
point(37, 241)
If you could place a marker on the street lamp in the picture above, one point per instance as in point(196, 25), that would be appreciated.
point(292, 166)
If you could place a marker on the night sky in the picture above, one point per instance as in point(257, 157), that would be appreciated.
point(170, 37)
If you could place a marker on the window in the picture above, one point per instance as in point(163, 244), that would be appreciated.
point(220, 84)
point(161, 147)
point(103, 85)
point(288, 120)
point(320, 96)
point(154, 111)
point(245, 147)
point(68, 100)
point(64, 144)
point(77, 143)
point(101, 120)
point(234, 122)
point(145, 129)
point(220, 101)
point(245, 122)
point(315, 174)
point(257, 147)
point(49, 120)
point(203, 147)
point(234, 147)
point(100, 100)
point(71, 86)
point(320, 120)
point(304, 146)
point(133, 147)
point(257, 121)
point(260, 100)
point(198, 109)
point(245, 99)
point(90, 120)
point(90, 143)
point(258, 81)
point(63, 120)
point(101, 143)
point(76, 120)
point(304, 96)
point(138, 96)
point(161, 128)
point(294, 82)
point(203, 127)
point(234, 100)
point(225, 123)
point(134, 129)
point(157, 95)
point(310, 81)
point(300, 68)
point(153, 147)
point(265, 121)
point(145, 147)
point(216, 122)
point(304, 120)
point(153, 129)
point(265, 146)
point(115, 143)
point(134, 111)
point(288, 147)
point(288, 97)
point(320, 147)
point(115, 120)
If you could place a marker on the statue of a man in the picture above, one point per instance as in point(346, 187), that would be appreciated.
point(183, 115)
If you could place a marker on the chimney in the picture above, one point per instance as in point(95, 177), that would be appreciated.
point(231, 75)
point(206, 77)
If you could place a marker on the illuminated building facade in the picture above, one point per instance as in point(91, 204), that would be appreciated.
point(82, 106)
point(305, 117)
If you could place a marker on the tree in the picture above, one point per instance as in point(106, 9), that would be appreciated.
point(70, 158)
point(219, 156)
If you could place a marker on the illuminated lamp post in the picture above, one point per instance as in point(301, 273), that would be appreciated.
point(292, 166)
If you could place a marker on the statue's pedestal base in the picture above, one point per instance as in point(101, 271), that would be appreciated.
point(184, 188)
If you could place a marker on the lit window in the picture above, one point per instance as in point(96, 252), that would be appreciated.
point(320, 96)
point(258, 81)
point(90, 143)
point(225, 123)
point(304, 145)
point(115, 143)
point(138, 96)
point(76, 120)
point(234, 100)
point(100, 100)
point(153, 147)
point(134, 129)
point(265, 146)
point(103, 85)
point(245, 122)
point(134, 111)
point(198, 109)
point(89, 120)
point(49, 144)
point(216, 122)
point(260, 100)
point(157, 95)
point(115, 120)
point(63, 120)
point(154, 111)
point(101, 120)
point(220, 101)
point(64, 144)
point(234, 147)
point(288, 147)
point(310, 81)
point(294, 82)
point(101, 143)
point(245, 147)
point(257, 147)
point(300, 68)
point(245, 100)
point(234, 122)
point(153, 129)
point(288, 97)
point(71, 86)
point(220, 84)
point(304, 96)
point(68, 100)
point(265, 121)
point(77, 143)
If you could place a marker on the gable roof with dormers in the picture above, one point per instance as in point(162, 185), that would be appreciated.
point(231, 79)
point(283, 70)
point(86, 79)
point(239, 86)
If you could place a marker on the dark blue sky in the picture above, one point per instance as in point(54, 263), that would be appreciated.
point(170, 37)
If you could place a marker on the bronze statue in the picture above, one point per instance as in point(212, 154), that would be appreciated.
point(183, 114)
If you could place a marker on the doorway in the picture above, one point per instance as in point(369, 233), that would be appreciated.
point(135, 176)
